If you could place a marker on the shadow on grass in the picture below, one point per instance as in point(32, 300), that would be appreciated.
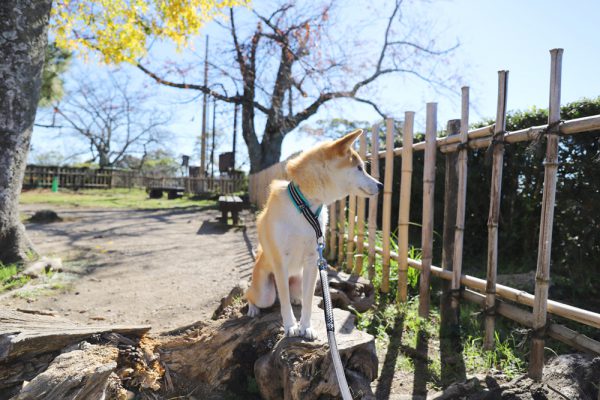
point(386, 377)
point(451, 348)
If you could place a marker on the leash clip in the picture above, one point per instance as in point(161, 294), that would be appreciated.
point(321, 263)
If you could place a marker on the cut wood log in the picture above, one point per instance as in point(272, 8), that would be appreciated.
point(29, 342)
point(32, 334)
point(230, 351)
point(78, 374)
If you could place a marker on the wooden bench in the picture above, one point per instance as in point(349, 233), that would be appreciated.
point(172, 192)
point(231, 204)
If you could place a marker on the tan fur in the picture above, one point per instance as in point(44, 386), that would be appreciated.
point(286, 257)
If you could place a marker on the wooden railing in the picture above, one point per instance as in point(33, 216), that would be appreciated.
point(528, 309)
point(85, 178)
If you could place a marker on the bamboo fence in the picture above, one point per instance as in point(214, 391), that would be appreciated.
point(529, 310)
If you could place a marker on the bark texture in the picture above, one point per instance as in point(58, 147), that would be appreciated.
point(23, 40)
point(236, 352)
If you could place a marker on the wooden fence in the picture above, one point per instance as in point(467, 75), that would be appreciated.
point(492, 297)
point(85, 178)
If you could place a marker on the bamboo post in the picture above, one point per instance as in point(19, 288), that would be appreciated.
point(404, 207)
point(333, 230)
point(341, 228)
point(497, 148)
point(387, 203)
point(461, 198)
point(452, 361)
point(428, 207)
point(360, 216)
point(542, 276)
point(350, 242)
point(373, 200)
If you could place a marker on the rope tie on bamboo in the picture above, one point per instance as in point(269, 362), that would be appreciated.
point(491, 310)
point(497, 140)
point(552, 128)
point(457, 291)
point(540, 332)
point(462, 146)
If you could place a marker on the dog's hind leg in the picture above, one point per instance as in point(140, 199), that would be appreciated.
point(261, 293)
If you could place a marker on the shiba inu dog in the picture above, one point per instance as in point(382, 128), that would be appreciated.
point(287, 257)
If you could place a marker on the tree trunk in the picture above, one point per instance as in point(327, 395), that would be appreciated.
point(263, 155)
point(270, 149)
point(103, 159)
point(23, 41)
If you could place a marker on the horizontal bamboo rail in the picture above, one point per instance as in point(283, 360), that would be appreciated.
point(518, 296)
point(481, 137)
point(570, 127)
point(525, 318)
point(444, 141)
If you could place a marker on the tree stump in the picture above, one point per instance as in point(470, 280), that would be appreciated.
point(239, 352)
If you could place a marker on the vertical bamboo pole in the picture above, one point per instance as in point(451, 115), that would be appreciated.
point(333, 230)
point(373, 200)
point(542, 276)
point(350, 242)
point(387, 203)
point(497, 148)
point(360, 215)
point(341, 228)
point(428, 192)
point(452, 365)
point(404, 207)
point(461, 197)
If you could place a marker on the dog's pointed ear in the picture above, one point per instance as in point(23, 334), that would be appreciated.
point(346, 142)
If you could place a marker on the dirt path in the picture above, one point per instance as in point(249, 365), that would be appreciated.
point(165, 268)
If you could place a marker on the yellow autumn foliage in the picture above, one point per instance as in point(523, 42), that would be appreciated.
point(121, 29)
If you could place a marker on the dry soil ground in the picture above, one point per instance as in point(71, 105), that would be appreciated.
point(164, 268)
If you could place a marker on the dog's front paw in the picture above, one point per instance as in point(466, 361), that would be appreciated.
point(292, 331)
point(253, 311)
point(308, 333)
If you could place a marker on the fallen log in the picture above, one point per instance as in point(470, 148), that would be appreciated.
point(238, 352)
point(31, 334)
point(30, 342)
point(44, 356)
point(82, 373)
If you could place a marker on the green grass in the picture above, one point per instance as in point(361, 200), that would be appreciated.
point(386, 319)
point(108, 198)
point(9, 279)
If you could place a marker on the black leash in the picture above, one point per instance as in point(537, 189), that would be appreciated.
point(313, 219)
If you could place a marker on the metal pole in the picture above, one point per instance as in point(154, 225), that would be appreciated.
point(204, 100)
point(235, 114)
point(212, 149)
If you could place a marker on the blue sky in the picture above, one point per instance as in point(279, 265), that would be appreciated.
point(493, 35)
